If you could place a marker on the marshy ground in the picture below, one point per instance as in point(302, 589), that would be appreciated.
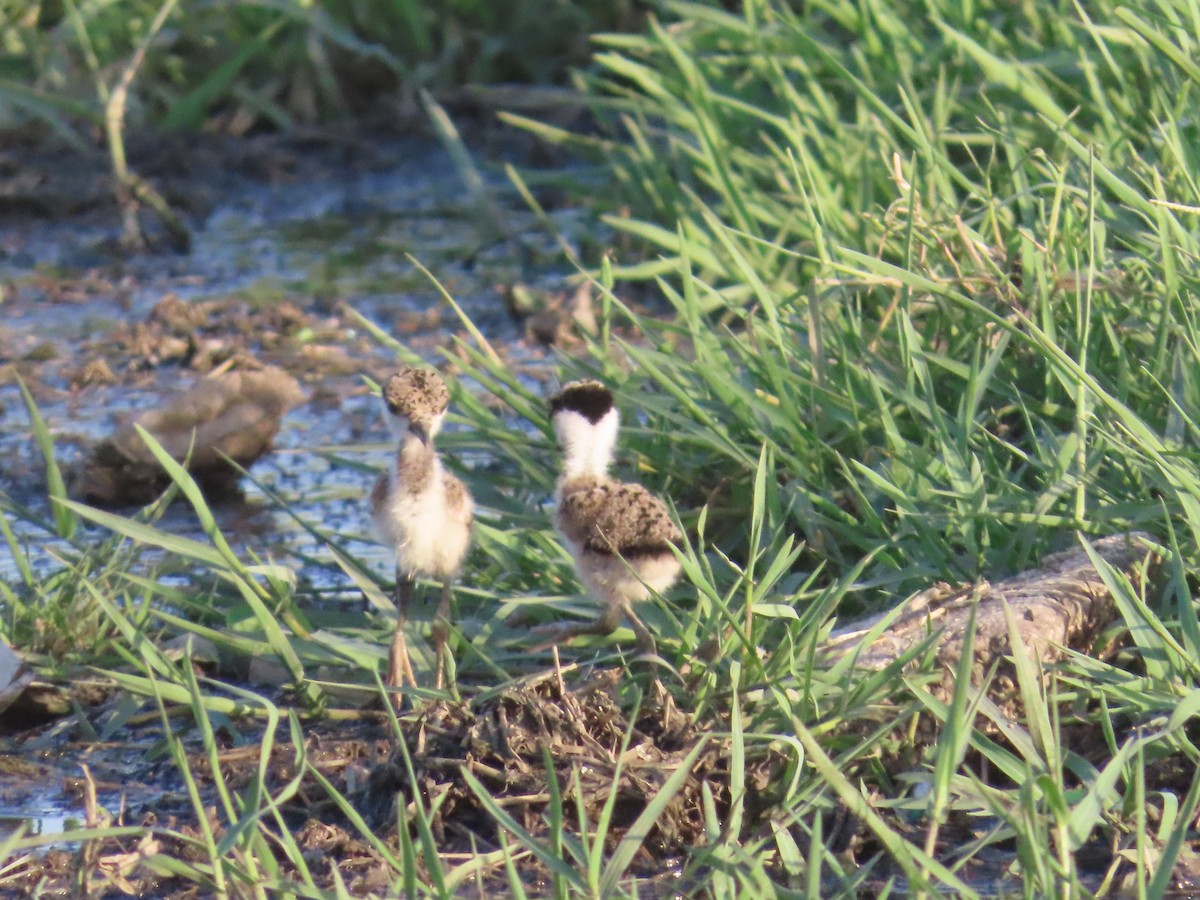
point(294, 245)
point(920, 321)
point(123, 774)
point(296, 262)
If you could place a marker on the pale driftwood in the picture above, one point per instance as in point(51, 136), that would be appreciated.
point(1063, 604)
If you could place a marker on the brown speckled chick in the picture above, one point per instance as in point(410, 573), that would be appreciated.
point(419, 509)
point(620, 534)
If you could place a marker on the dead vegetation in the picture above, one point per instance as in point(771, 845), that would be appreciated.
point(508, 740)
point(585, 723)
point(582, 750)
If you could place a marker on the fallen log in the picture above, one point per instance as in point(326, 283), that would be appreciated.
point(1063, 604)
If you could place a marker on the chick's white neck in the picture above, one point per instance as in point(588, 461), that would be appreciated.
point(587, 447)
point(402, 429)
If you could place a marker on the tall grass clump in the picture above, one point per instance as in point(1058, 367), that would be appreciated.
point(939, 262)
point(933, 268)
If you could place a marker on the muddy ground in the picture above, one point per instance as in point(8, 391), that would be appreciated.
point(567, 731)
point(292, 240)
point(575, 716)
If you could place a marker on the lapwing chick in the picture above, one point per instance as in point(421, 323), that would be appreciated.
point(619, 533)
point(419, 509)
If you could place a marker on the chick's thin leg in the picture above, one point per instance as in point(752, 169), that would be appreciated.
point(607, 623)
point(645, 640)
point(399, 665)
point(440, 632)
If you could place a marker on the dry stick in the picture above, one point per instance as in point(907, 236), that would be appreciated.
point(131, 189)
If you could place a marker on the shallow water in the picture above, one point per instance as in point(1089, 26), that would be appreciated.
point(40, 807)
point(335, 234)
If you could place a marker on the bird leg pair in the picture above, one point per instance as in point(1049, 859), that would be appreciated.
point(607, 623)
point(400, 669)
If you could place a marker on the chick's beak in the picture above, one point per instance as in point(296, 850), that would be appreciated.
point(420, 430)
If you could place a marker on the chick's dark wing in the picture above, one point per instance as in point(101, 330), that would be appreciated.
point(620, 518)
